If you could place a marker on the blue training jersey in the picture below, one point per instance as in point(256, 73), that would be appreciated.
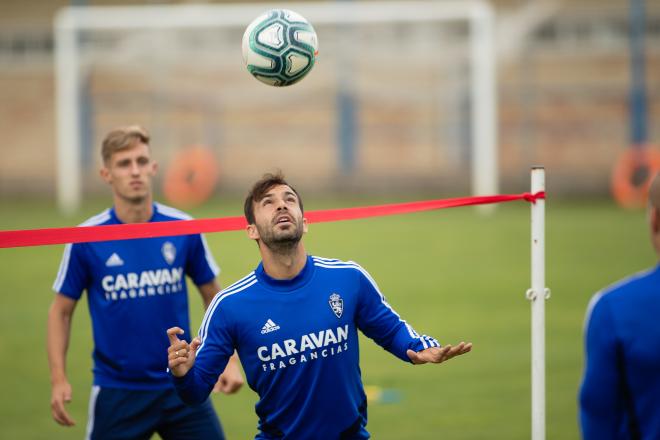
point(298, 342)
point(136, 290)
point(620, 393)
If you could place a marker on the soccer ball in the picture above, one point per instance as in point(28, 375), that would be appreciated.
point(279, 47)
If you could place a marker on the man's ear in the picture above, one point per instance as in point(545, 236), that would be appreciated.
point(654, 220)
point(252, 232)
point(105, 175)
point(305, 225)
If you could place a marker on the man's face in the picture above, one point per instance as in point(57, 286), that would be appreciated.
point(129, 173)
point(279, 222)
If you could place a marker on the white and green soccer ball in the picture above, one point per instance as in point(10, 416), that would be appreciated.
point(280, 47)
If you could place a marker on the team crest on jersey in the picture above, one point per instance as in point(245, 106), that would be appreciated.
point(336, 304)
point(169, 252)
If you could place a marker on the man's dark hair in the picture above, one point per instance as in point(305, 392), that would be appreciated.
point(259, 190)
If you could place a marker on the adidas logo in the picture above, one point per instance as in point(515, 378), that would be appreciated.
point(114, 261)
point(269, 326)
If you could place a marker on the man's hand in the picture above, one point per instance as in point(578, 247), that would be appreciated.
point(61, 394)
point(231, 380)
point(181, 355)
point(437, 355)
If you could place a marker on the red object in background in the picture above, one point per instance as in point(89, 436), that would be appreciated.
point(632, 175)
point(191, 176)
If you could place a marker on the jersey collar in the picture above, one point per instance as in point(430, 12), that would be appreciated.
point(115, 219)
point(303, 277)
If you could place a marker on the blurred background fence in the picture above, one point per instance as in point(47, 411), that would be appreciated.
point(563, 81)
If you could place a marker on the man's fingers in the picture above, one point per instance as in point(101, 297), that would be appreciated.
point(460, 349)
point(218, 387)
point(453, 351)
point(414, 357)
point(67, 420)
point(437, 355)
point(232, 388)
point(228, 384)
point(443, 352)
point(172, 334)
point(182, 353)
point(179, 348)
point(222, 385)
point(60, 415)
point(179, 365)
point(175, 362)
point(177, 352)
point(61, 394)
point(194, 345)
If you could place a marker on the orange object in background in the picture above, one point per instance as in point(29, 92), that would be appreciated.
point(191, 176)
point(632, 175)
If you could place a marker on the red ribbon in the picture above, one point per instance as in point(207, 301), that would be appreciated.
point(83, 234)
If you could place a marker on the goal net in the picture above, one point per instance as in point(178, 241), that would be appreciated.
point(402, 94)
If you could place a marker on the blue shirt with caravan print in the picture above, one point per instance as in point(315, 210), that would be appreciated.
point(136, 290)
point(298, 342)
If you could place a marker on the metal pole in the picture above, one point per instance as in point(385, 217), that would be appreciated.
point(483, 98)
point(638, 95)
point(347, 116)
point(67, 96)
point(537, 295)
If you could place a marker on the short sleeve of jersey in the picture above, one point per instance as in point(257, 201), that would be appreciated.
point(73, 275)
point(378, 321)
point(200, 265)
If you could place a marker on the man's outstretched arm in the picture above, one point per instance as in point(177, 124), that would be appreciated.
point(378, 320)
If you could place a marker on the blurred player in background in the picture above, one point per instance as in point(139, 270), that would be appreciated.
point(294, 322)
point(620, 393)
point(135, 290)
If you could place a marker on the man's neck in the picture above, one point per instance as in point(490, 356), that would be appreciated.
point(129, 212)
point(283, 265)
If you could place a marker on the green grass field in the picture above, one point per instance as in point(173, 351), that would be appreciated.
point(452, 273)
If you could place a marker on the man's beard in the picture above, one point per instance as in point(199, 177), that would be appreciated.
point(281, 241)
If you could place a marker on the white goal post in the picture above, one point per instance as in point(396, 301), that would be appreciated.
point(71, 21)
